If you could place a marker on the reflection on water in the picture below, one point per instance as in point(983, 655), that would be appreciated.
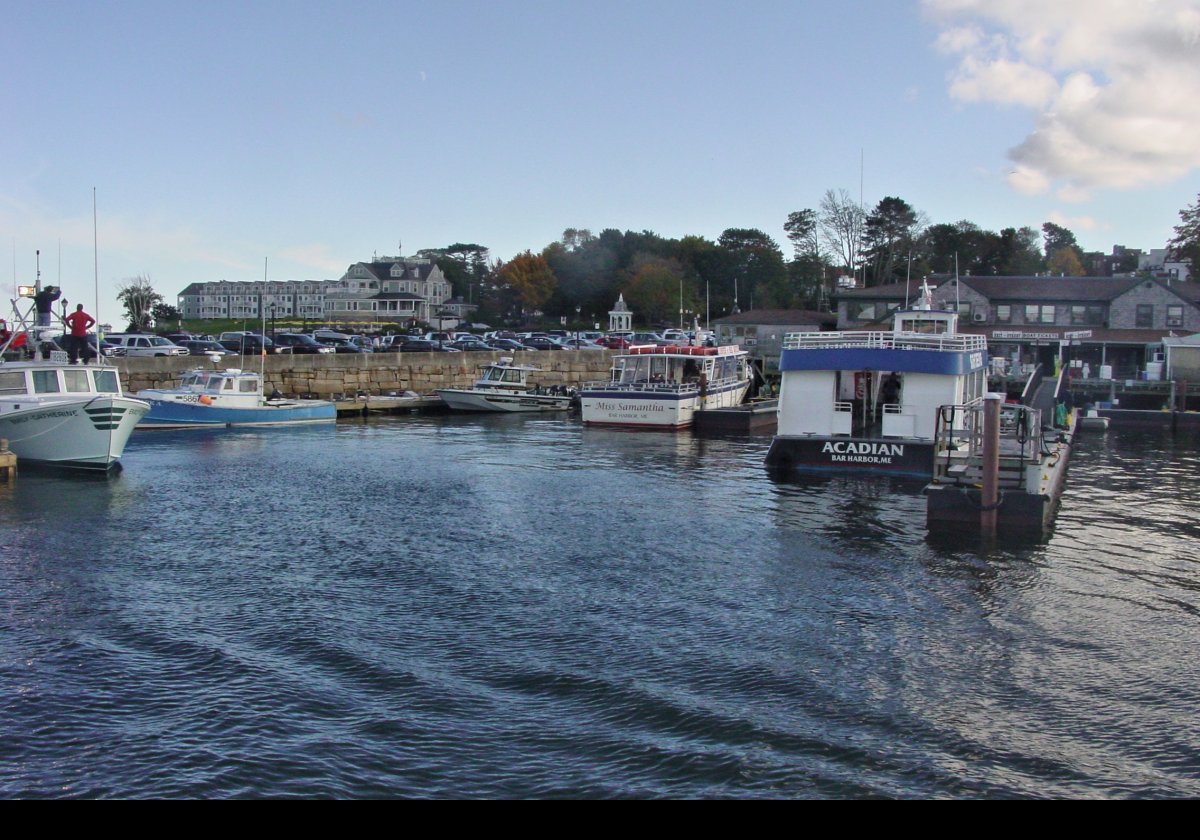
point(518, 606)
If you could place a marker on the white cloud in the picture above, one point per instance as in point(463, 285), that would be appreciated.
point(1087, 223)
point(1114, 85)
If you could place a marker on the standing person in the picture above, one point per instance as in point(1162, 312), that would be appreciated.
point(78, 322)
point(44, 302)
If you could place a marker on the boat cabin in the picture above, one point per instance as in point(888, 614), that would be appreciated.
point(653, 367)
point(876, 383)
point(46, 381)
point(505, 375)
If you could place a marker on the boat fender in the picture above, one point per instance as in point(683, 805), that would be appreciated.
point(205, 399)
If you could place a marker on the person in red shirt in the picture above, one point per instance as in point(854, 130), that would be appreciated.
point(78, 322)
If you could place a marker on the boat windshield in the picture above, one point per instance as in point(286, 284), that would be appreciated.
point(45, 382)
point(927, 326)
point(106, 382)
point(77, 381)
point(502, 374)
point(12, 382)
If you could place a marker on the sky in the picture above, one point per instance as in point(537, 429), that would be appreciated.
point(237, 140)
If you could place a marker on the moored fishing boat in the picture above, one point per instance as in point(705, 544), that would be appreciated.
point(72, 416)
point(504, 386)
point(868, 401)
point(230, 397)
point(663, 387)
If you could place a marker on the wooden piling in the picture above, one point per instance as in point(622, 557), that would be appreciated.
point(8, 462)
point(990, 492)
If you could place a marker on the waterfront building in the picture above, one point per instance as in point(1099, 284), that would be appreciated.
point(761, 331)
point(386, 289)
point(1117, 322)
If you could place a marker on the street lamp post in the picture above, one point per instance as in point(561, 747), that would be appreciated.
point(578, 309)
point(272, 321)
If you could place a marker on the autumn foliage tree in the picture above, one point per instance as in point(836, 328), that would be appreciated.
point(529, 277)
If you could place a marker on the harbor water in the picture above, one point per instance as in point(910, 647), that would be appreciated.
point(517, 606)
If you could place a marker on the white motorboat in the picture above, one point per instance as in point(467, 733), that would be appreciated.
point(663, 387)
point(504, 386)
point(230, 397)
point(63, 415)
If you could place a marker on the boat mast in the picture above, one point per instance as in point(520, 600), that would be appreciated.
point(262, 362)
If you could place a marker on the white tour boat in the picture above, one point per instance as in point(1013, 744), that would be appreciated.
point(230, 397)
point(663, 387)
point(63, 415)
point(504, 386)
point(868, 401)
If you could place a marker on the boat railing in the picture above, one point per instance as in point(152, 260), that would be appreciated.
point(958, 441)
point(881, 340)
point(648, 387)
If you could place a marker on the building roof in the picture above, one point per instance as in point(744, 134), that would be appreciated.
point(781, 317)
point(1027, 289)
point(414, 269)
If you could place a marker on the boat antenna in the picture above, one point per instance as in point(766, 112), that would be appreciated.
point(262, 361)
point(957, 285)
point(96, 272)
point(908, 278)
point(96, 284)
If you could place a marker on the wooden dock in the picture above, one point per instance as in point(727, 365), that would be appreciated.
point(756, 416)
point(363, 406)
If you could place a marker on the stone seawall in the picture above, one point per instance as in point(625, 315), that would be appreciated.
point(374, 373)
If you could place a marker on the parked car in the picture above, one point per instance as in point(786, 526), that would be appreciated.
point(248, 344)
point(423, 345)
point(581, 344)
point(301, 343)
point(543, 343)
point(211, 349)
point(508, 345)
point(474, 343)
point(613, 342)
point(343, 344)
point(647, 338)
point(139, 344)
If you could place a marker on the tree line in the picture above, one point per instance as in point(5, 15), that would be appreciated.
point(664, 280)
point(838, 243)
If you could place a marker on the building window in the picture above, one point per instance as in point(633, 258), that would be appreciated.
point(1145, 315)
point(1004, 313)
point(1039, 314)
point(1175, 316)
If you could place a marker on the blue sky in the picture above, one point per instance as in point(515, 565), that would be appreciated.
point(313, 135)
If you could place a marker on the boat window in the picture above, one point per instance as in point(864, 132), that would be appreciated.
point(12, 382)
point(636, 370)
point(228, 384)
point(512, 376)
point(45, 382)
point(106, 381)
point(247, 386)
point(658, 368)
point(214, 384)
point(76, 381)
point(492, 374)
